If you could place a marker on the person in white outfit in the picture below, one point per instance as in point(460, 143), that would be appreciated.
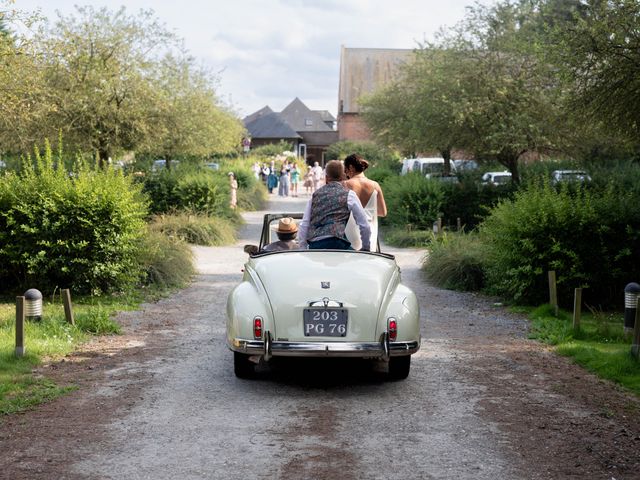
point(370, 195)
point(316, 176)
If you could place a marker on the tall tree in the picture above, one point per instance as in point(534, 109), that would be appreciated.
point(481, 86)
point(20, 81)
point(508, 101)
point(415, 113)
point(190, 120)
point(599, 51)
point(97, 65)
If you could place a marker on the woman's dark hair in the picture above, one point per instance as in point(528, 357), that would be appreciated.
point(357, 162)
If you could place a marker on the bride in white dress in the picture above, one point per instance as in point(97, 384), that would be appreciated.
point(371, 197)
point(352, 231)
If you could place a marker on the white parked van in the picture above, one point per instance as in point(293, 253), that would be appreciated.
point(426, 166)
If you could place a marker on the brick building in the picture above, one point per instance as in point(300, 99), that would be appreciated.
point(362, 71)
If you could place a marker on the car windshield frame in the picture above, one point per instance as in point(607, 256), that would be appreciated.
point(268, 224)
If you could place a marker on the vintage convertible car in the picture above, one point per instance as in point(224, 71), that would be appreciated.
point(321, 303)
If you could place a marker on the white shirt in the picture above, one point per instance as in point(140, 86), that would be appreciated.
point(355, 207)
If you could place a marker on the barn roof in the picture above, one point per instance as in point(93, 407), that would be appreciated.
point(363, 70)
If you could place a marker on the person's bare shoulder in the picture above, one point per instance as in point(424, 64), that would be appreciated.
point(350, 184)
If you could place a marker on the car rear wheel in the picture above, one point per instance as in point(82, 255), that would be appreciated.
point(399, 367)
point(242, 366)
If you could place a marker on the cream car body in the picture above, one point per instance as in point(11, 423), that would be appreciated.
point(361, 308)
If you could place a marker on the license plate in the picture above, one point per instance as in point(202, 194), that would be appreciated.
point(325, 322)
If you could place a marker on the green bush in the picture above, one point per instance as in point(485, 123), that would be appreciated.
point(380, 175)
point(623, 175)
point(470, 201)
point(412, 199)
point(97, 321)
point(188, 189)
point(272, 149)
point(377, 156)
point(198, 189)
point(80, 231)
point(198, 192)
point(168, 262)
point(590, 238)
point(196, 229)
point(456, 261)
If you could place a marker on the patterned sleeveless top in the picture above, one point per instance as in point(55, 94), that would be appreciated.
point(329, 212)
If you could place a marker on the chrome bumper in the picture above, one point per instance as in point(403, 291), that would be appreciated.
point(268, 348)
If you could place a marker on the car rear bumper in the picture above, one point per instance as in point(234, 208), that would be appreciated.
point(268, 348)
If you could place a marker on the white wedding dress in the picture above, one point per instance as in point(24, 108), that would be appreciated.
point(352, 231)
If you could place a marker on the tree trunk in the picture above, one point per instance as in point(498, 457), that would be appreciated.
point(446, 155)
point(509, 159)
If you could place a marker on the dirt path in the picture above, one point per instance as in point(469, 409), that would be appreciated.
point(482, 401)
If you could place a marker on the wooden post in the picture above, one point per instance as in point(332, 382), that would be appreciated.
point(635, 347)
point(553, 293)
point(577, 308)
point(20, 351)
point(439, 225)
point(459, 223)
point(68, 309)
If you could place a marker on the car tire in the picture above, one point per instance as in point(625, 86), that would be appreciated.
point(399, 367)
point(242, 366)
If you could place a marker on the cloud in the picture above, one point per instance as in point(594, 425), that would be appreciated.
point(271, 52)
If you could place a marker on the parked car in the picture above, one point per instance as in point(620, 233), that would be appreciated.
point(464, 165)
point(321, 303)
point(496, 178)
point(558, 176)
point(426, 166)
point(162, 163)
point(212, 165)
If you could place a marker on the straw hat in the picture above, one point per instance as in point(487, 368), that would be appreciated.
point(231, 173)
point(287, 225)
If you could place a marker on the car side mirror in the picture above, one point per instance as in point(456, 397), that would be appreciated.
point(251, 249)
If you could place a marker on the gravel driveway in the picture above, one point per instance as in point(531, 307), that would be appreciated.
point(481, 402)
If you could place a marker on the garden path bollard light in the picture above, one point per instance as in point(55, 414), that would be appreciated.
point(631, 294)
point(33, 304)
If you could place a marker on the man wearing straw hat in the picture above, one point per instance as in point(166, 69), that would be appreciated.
point(286, 231)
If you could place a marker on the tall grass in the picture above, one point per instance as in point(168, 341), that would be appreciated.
point(456, 261)
point(401, 237)
point(194, 228)
point(168, 261)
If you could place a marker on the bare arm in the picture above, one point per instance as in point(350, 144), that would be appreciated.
point(382, 206)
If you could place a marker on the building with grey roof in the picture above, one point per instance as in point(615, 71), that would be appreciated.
point(309, 131)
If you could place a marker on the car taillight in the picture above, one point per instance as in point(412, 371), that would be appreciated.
point(393, 329)
point(257, 327)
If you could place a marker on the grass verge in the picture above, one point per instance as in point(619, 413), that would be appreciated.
point(600, 345)
point(51, 338)
point(401, 237)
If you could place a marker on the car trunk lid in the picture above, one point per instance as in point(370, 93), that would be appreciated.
point(293, 280)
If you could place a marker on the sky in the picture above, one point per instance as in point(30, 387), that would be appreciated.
point(267, 52)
